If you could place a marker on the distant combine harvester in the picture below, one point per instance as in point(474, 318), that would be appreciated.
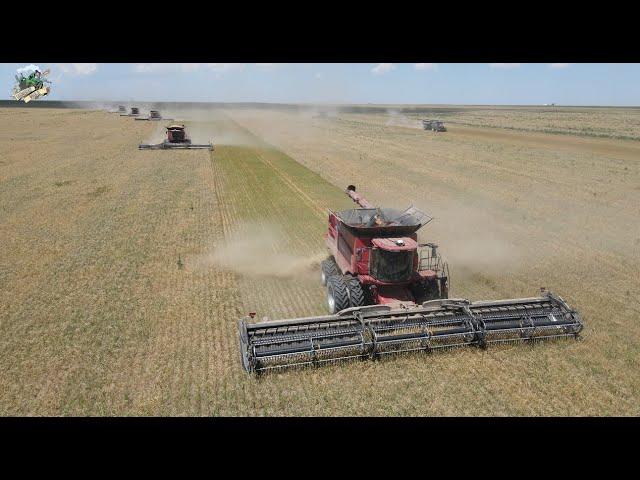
point(176, 139)
point(135, 111)
point(433, 125)
point(154, 116)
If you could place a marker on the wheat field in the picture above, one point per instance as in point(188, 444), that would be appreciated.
point(124, 272)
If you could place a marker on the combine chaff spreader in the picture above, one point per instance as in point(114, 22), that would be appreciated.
point(389, 294)
point(176, 139)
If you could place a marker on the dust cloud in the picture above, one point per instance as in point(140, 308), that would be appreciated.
point(397, 119)
point(258, 250)
point(471, 233)
point(158, 134)
point(474, 238)
point(203, 125)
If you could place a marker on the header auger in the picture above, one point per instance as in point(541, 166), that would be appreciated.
point(388, 294)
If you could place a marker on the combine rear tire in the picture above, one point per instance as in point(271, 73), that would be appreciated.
point(356, 294)
point(328, 268)
point(337, 294)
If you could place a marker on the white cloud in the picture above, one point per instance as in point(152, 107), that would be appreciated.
point(319, 75)
point(559, 65)
point(425, 66)
point(152, 67)
point(165, 67)
point(78, 68)
point(185, 67)
point(28, 69)
point(267, 66)
point(224, 67)
point(505, 66)
point(382, 68)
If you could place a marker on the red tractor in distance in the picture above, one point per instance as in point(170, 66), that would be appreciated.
point(376, 258)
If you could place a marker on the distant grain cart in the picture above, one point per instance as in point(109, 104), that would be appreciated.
point(433, 125)
point(154, 116)
point(176, 139)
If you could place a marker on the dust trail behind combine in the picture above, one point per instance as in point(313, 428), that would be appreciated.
point(397, 119)
point(252, 250)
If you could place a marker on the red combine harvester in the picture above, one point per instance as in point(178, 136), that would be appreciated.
point(176, 139)
point(389, 294)
point(376, 258)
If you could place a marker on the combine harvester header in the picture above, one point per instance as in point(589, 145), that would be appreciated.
point(388, 294)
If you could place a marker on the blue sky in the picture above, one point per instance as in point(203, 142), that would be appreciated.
point(442, 83)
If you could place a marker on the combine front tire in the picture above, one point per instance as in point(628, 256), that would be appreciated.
point(337, 294)
point(328, 268)
point(356, 294)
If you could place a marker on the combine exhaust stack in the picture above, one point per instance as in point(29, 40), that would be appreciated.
point(378, 330)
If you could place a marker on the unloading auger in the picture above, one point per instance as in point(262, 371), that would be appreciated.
point(388, 294)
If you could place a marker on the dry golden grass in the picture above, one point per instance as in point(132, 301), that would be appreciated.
point(107, 307)
point(95, 311)
point(513, 212)
point(608, 122)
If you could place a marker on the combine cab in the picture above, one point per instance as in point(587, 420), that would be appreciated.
point(388, 294)
point(154, 116)
point(176, 139)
